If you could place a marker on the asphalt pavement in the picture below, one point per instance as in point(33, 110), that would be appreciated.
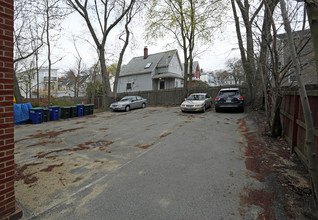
point(152, 163)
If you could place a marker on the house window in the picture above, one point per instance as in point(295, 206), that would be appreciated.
point(292, 78)
point(128, 86)
point(148, 65)
point(162, 85)
point(177, 84)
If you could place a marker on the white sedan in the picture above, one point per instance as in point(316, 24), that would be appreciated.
point(129, 102)
point(196, 102)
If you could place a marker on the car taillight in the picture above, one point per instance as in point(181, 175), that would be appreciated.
point(217, 99)
point(241, 98)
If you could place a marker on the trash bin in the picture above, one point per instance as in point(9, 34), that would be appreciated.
point(73, 111)
point(36, 115)
point(86, 109)
point(91, 109)
point(46, 115)
point(80, 110)
point(65, 112)
point(54, 113)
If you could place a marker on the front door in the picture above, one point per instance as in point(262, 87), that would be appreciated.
point(162, 85)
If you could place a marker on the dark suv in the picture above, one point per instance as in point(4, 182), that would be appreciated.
point(229, 98)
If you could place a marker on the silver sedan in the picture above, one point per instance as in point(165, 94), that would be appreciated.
point(129, 102)
point(196, 102)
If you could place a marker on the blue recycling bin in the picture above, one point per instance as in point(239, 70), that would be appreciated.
point(54, 113)
point(36, 115)
point(80, 110)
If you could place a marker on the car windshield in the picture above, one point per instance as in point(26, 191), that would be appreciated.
point(196, 97)
point(229, 93)
point(125, 99)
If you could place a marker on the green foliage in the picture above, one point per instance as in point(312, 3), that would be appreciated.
point(35, 104)
point(98, 88)
point(61, 103)
point(200, 83)
point(179, 18)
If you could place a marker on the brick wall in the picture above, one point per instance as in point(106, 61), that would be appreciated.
point(8, 209)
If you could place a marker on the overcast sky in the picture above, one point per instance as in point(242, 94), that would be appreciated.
point(214, 58)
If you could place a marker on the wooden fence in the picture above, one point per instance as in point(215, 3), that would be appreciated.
point(293, 121)
point(171, 97)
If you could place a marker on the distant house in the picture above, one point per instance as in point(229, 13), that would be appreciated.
point(66, 86)
point(305, 49)
point(209, 78)
point(151, 72)
point(28, 82)
point(196, 72)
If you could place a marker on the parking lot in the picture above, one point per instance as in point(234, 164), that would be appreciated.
point(56, 161)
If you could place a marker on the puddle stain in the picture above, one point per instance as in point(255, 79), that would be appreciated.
point(102, 144)
point(49, 134)
point(80, 122)
point(50, 168)
point(165, 135)
point(77, 148)
point(27, 178)
point(253, 162)
point(262, 199)
point(145, 146)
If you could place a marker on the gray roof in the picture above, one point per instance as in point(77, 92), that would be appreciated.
point(167, 75)
point(137, 64)
point(301, 33)
point(194, 66)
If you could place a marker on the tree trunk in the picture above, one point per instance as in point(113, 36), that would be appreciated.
point(309, 139)
point(107, 93)
point(48, 53)
point(120, 61)
point(94, 84)
point(276, 125)
point(37, 77)
point(16, 90)
point(312, 11)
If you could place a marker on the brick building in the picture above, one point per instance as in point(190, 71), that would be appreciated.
point(8, 208)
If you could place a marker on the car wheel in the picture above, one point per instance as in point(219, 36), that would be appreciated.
point(127, 108)
point(242, 109)
point(217, 110)
point(204, 109)
point(143, 105)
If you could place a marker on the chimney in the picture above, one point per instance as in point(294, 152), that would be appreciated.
point(145, 52)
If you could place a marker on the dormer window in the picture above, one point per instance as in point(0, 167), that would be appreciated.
point(148, 65)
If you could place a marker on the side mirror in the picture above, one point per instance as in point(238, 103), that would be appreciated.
point(185, 99)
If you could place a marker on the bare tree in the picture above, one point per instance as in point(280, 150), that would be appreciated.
point(248, 51)
point(108, 13)
point(124, 37)
point(236, 70)
point(28, 38)
point(188, 22)
point(77, 75)
point(309, 140)
point(312, 11)
point(53, 13)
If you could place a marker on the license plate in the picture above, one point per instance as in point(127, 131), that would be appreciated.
point(228, 101)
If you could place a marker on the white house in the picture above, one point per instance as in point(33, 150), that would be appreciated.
point(151, 72)
point(28, 82)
